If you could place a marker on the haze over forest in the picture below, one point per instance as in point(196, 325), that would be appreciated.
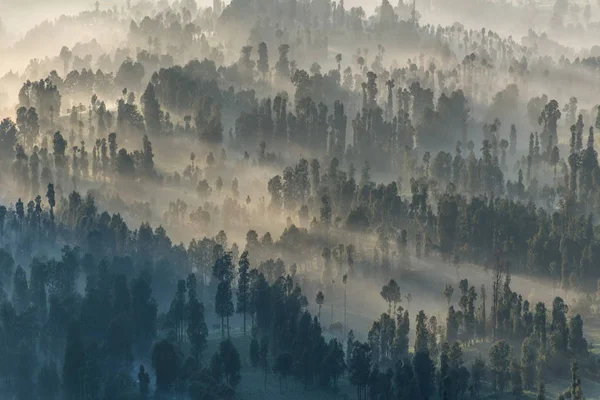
point(299, 199)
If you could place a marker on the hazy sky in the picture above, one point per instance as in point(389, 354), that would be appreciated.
point(14, 12)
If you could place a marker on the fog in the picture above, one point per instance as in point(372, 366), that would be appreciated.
point(197, 195)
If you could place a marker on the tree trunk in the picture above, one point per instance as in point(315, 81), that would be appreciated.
point(244, 323)
point(332, 313)
point(345, 315)
point(266, 378)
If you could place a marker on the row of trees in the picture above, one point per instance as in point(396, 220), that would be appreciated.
point(436, 367)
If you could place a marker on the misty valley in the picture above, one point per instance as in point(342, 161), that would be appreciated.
point(299, 199)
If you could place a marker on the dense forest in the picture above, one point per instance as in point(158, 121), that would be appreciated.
point(299, 200)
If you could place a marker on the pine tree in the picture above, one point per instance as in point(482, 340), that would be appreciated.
point(48, 382)
point(452, 325)
point(541, 394)
point(147, 158)
point(254, 352)
point(243, 292)
point(500, 364)
point(177, 310)
point(151, 110)
point(539, 323)
point(264, 357)
point(448, 292)
point(576, 391)
point(20, 296)
point(165, 362)
point(144, 382)
point(422, 335)
point(224, 304)
point(577, 342)
point(359, 368)
point(74, 362)
point(231, 362)
point(444, 378)
point(283, 366)
point(477, 376)
point(50, 195)
point(143, 310)
point(197, 331)
point(515, 379)
point(26, 363)
point(223, 271)
point(424, 372)
point(263, 59)
point(528, 363)
point(320, 299)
